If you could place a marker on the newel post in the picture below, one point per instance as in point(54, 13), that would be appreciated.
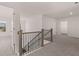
point(42, 41)
point(20, 42)
point(51, 34)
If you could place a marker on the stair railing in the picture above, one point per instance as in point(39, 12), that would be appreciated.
point(34, 40)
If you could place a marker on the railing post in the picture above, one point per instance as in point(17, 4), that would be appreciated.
point(42, 41)
point(20, 42)
point(51, 34)
point(28, 47)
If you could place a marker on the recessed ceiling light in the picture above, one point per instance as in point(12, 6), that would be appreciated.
point(70, 13)
point(76, 3)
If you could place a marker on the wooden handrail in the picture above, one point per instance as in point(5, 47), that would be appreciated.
point(31, 32)
point(46, 30)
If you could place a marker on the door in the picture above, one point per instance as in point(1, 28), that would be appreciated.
point(63, 27)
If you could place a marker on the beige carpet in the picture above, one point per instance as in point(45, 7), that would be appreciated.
point(62, 46)
point(5, 46)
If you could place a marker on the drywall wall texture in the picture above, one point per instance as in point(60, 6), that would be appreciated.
point(6, 14)
point(37, 22)
point(16, 28)
point(73, 26)
point(62, 27)
point(49, 23)
point(31, 23)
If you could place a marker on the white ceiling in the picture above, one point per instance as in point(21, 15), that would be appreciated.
point(53, 9)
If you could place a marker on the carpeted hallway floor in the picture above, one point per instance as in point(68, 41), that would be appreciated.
point(5, 46)
point(62, 46)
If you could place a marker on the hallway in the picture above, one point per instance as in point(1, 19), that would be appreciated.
point(62, 46)
point(23, 17)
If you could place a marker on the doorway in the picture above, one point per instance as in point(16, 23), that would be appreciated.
point(63, 27)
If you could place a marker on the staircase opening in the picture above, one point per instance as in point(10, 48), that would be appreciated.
point(31, 41)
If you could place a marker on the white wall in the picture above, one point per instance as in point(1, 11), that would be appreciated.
point(6, 14)
point(49, 23)
point(37, 22)
point(58, 31)
point(73, 26)
point(31, 23)
point(16, 28)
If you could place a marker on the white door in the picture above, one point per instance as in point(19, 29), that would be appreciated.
point(63, 27)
